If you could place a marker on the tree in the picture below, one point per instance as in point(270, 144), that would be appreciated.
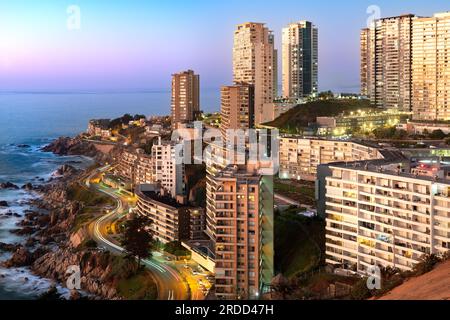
point(384, 133)
point(139, 117)
point(437, 134)
point(325, 95)
point(137, 240)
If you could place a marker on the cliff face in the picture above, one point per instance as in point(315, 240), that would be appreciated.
point(96, 268)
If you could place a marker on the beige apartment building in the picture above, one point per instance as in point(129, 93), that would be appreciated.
point(300, 157)
point(300, 60)
point(378, 213)
point(237, 108)
point(185, 97)
point(404, 65)
point(431, 67)
point(240, 223)
point(386, 62)
point(126, 164)
point(367, 56)
point(254, 63)
point(170, 220)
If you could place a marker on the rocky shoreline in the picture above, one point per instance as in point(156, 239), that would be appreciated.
point(51, 246)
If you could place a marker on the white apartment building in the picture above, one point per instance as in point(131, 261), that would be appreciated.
point(254, 63)
point(299, 157)
point(378, 213)
point(166, 170)
point(431, 67)
point(300, 56)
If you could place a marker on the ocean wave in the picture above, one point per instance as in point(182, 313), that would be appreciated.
point(22, 284)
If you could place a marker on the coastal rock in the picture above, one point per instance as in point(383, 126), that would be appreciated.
point(3, 203)
point(66, 170)
point(78, 237)
point(21, 258)
point(25, 146)
point(28, 186)
point(8, 185)
point(75, 295)
point(93, 265)
point(71, 146)
point(8, 247)
point(27, 230)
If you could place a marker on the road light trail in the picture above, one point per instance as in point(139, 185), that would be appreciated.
point(167, 280)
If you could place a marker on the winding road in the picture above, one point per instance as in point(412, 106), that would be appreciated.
point(169, 283)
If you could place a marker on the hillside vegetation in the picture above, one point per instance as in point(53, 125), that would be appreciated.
point(299, 117)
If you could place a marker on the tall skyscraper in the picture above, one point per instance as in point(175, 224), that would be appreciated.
point(367, 62)
point(300, 60)
point(431, 67)
point(253, 63)
point(237, 107)
point(185, 97)
point(386, 62)
point(240, 222)
point(404, 65)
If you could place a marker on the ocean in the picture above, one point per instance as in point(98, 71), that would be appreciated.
point(30, 120)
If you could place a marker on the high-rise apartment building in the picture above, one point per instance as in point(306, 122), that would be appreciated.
point(185, 97)
point(431, 67)
point(253, 63)
point(300, 60)
point(404, 65)
point(166, 169)
point(386, 62)
point(240, 223)
point(237, 108)
point(385, 213)
point(367, 56)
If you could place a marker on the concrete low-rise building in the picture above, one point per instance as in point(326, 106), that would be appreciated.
point(383, 213)
point(360, 121)
point(299, 157)
point(99, 128)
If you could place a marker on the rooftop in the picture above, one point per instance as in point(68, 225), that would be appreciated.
point(387, 167)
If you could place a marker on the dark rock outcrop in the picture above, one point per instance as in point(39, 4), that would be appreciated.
point(3, 203)
point(28, 186)
point(8, 247)
point(8, 185)
point(71, 146)
point(66, 170)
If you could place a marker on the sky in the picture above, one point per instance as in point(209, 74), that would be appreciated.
point(138, 44)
